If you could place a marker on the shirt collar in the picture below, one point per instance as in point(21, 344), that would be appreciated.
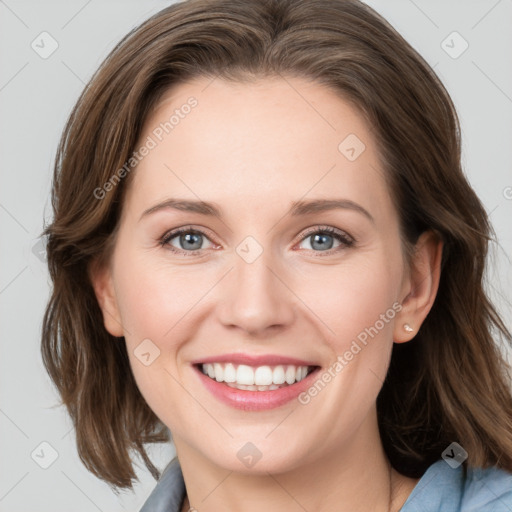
point(169, 493)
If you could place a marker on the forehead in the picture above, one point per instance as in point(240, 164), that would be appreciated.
point(272, 139)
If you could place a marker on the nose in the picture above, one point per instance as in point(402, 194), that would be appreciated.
point(255, 297)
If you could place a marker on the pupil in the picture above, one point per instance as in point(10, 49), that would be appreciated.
point(188, 238)
point(322, 238)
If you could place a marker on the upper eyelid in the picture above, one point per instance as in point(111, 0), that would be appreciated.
point(320, 228)
point(186, 229)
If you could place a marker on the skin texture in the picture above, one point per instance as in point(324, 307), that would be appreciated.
point(253, 149)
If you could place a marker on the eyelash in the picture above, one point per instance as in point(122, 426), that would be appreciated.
point(345, 240)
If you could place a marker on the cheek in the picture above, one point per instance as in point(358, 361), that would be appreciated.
point(351, 298)
point(154, 299)
point(156, 303)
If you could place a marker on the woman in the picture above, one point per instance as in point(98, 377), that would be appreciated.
point(325, 341)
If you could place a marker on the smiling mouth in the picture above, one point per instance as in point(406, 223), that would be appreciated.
point(251, 378)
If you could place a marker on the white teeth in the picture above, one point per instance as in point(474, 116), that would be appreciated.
point(278, 376)
point(290, 374)
point(245, 375)
point(229, 373)
point(261, 378)
point(219, 372)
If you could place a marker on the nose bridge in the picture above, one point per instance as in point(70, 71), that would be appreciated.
point(256, 298)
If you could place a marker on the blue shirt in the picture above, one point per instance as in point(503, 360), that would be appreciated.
point(440, 489)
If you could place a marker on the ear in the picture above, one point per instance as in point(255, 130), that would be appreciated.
point(102, 282)
point(420, 287)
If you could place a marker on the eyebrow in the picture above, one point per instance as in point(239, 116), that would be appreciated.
point(298, 208)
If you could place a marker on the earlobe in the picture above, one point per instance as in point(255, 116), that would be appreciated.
point(102, 283)
point(421, 286)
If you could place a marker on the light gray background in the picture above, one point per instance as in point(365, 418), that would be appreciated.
point(36, 96)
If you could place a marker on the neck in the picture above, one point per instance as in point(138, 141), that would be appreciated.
point(356, 478)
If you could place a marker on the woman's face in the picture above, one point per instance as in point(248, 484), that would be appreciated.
point(261, 277)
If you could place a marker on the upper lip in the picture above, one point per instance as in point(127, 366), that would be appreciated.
point(254, 360)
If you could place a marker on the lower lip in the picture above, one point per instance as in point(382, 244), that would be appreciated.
point(255, 400)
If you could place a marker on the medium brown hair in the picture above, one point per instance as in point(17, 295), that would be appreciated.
point(450, 383)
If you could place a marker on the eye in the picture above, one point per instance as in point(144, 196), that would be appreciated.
point(322, 239)
point(188, 241)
